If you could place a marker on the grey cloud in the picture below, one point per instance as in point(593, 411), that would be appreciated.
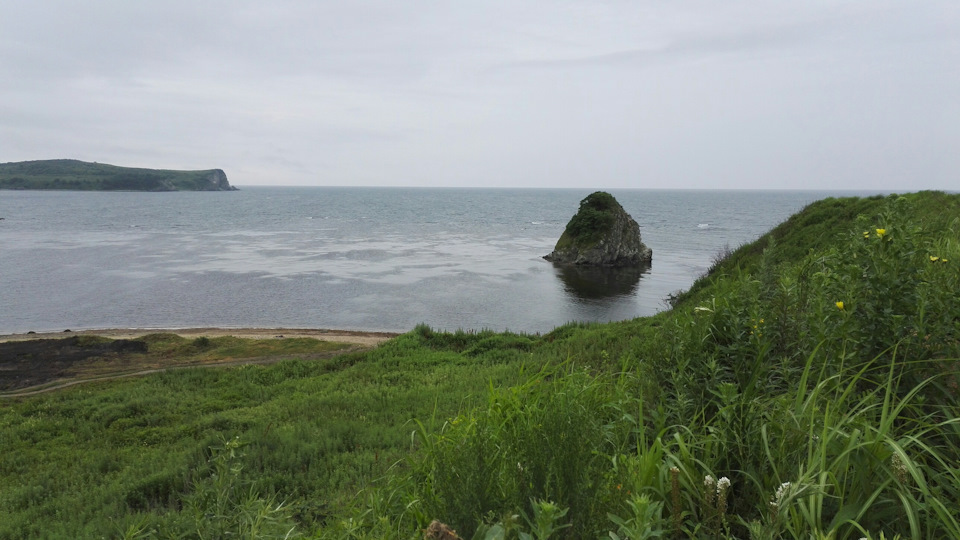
point(691, 93)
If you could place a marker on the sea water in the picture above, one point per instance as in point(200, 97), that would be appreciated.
point(381, 259)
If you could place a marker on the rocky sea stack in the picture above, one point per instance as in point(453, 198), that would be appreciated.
point(602, 233)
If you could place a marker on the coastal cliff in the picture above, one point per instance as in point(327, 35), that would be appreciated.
point(601, 233)
point(71, 174)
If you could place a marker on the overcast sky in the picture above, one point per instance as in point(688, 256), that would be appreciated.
point(860, 94)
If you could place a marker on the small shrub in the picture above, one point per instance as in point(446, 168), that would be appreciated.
point(539, 441)
point(225, 504)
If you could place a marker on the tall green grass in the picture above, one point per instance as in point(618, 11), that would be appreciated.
point(840, 456)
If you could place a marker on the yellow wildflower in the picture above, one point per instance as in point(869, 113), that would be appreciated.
point(840, 305)
point(881, 233)
point(934, 259)
point(866, 234)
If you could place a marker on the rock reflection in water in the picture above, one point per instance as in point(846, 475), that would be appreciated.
point(597, 282)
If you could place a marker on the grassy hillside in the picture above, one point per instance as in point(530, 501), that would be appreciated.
point(806, 388)
point(69, 174)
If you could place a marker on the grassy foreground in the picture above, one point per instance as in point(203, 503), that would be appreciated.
point(806, 388)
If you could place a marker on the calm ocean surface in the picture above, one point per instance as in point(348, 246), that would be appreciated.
point(347, 258)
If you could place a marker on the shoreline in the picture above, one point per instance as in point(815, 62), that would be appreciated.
point(343, 336)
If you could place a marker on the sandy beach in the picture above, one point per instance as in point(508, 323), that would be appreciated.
point(369, 339)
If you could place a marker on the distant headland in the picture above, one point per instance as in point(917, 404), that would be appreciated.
point(71, 174)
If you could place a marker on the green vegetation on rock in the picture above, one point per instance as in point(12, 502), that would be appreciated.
point(593, 220)
point(806, 388)
point(69, 174)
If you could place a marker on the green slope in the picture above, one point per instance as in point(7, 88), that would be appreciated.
point(69, 174)
point(818, 226)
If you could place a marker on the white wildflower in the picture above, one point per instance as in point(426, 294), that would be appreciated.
point(723, 491)
point(709, 491)
point(781, 491)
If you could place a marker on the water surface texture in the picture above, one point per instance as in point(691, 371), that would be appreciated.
point(348, 258)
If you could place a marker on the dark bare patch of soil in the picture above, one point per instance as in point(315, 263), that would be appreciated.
point(29, 363)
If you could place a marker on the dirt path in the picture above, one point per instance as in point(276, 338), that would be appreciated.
point(65, 383)
point(343, 336)
point(358, 340)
